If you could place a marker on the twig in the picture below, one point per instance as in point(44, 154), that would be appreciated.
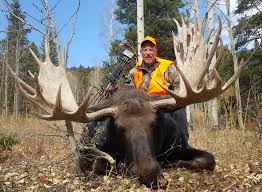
point(47, 135)
point(74, 146)
point(168, 185)
point(76, 11)
point(72, 34)
point(99, 153)
point(15, 181)
point(229, 186)
point(59, 161)
point(21, 19)
point(171, 148)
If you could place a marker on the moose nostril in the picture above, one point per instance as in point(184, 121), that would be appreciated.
point(150, 177)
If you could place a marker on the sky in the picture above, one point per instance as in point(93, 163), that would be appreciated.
point(90, 42)
point(89, 46)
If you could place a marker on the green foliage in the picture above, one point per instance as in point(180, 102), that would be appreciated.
point(16, 36)
point(14, 45)
point(249, 27)
point(82, 78)
point(158, 19)
point(30, 63)
point(6, 142)
point(226, 69)
point(248, 31)
point(251, 76)
point(244, 5)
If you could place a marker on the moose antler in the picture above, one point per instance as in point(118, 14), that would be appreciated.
point(193, 63)
point(53, 95)
point(52, 92)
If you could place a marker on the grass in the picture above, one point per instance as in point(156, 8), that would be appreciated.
point(7, 141)
point(44, 163)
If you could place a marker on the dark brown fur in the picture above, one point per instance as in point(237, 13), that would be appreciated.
point(147, 140)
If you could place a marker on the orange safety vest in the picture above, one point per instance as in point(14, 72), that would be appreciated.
point(158, 74)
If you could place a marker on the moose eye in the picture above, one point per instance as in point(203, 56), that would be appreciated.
point(121, 130)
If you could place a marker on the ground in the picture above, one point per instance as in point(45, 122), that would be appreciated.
point(44, 163)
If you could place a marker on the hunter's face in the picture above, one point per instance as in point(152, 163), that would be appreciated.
point(149, 53)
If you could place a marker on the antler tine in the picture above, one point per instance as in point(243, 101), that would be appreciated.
point(24, 86)
point(55, 39)
point(217, 38)
point(62, 60)
point(177, 24)
point(221, 54)
point(203, 25)
point(235, 76)
point(85, 102)
point(58, 104)
point(182, 21)
point(47, 48)
point(35, 57)
point(35, 96)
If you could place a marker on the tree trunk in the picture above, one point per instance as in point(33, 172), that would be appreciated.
point(74, 146)
point(140, 24)
point(111, 22)
point(2, 85)
point(16, 72)
point(188, 116)
point(195, 12)
point(232, 47)
point(6, 82)
point(212, 105)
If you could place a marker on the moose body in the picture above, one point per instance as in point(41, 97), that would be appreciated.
point(147, 140)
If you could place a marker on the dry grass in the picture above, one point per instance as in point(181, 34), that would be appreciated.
point(41, 163)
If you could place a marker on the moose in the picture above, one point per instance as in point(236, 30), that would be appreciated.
point(138, 128)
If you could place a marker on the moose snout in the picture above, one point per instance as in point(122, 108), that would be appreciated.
point(148, 174)
point(145, 166)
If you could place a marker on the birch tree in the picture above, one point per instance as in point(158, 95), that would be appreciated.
point(232, 47)
point(212, 105)
point(140, 24)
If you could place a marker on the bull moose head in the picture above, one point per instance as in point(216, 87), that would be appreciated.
point(135, 125)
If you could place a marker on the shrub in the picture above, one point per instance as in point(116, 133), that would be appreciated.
point(6, 142)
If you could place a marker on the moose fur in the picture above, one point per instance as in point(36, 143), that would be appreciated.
point(146, 140)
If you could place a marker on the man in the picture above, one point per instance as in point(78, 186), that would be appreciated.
point(151, 68)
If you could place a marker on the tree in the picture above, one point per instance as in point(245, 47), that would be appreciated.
point(249, 26)
point(158, 22)
point(3, 79)
point(140, 23)
point(212, 104)
point(249, 46)
point(236, 65)
point(51, 31)
point(16, 43)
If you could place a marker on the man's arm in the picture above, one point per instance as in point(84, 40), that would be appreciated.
point(129, 79)
point(172, 77)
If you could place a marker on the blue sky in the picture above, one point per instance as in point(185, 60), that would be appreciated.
point(89, 45)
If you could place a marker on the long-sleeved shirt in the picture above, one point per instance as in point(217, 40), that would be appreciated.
point(171, 76)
